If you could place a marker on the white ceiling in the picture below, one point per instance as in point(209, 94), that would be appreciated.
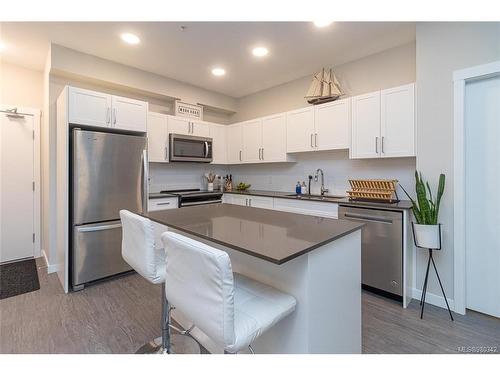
point(296, 49)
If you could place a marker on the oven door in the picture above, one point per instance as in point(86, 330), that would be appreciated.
point(190, 148)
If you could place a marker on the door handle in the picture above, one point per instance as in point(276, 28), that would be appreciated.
point(98, 228)
point(383, 145)
point(246, 201)
point(376, 145)
point(378, 219)
point(262, 153)
point(163, 204)
point(114, 116)
point(312, 140)
point(107, 115)
point(192, 128)
point(166, 153)
point(240, 156)
point(316, 139)
point(250, 202)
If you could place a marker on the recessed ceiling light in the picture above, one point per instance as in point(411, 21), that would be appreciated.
point(260, 51)
point(130, 38)
point(218, 72)
point(322, 23)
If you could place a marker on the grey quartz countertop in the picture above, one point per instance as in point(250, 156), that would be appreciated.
point(161, 195)
point(401, 205)
point(271, 235)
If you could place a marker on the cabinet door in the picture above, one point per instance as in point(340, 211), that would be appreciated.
point(218, 135)
point(157, 137)
point(240, 200)
point(274, 138)
point(200, 129)
point(234, 137)
point(366, 126)
point(252, 141)
point(333, 125)
point(398, 121)
point(88, 107)
point(179, 125)
point(260, 202)
point(300, 130)
point(129, 114)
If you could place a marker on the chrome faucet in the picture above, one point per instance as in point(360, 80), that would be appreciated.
point(323, 190)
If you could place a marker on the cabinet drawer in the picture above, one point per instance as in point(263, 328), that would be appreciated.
point(162, 204)
point(325, 209)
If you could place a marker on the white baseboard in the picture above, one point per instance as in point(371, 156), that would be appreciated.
point(51, 268)
point(433, 299)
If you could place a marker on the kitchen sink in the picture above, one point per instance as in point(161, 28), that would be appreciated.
point(315, 196)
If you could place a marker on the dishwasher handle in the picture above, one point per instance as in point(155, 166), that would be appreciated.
point(378, 219)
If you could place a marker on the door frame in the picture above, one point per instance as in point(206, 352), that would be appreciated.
point(36, 113)
point(460, 78)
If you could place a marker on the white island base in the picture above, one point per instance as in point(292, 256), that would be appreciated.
point(327, 285)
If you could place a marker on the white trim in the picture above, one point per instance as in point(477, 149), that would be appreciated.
point(51, 268)
point(36, 113)
point(459, 78)
point(433, 299)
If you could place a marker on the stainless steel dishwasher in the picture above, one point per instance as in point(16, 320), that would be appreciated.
point(381, 248)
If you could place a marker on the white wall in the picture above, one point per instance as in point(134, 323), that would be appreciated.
point(441, 49)
point(337, 168)
point(382, 70)
point(20, 86)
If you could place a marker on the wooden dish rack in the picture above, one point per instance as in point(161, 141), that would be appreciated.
point(374, 190)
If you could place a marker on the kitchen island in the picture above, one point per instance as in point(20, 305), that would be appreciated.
point(315, 259)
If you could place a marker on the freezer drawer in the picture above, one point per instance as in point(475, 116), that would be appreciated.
point(97, 252)
point(381, 247)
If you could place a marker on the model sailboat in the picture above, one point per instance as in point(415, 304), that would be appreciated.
point(324, 88)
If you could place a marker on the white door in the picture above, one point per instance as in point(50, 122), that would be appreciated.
point(366, 126)
point(16, 187)
point(218, 135)
point(482, 207)
point(88, 107)
point(300, 130)
point(333, 125)
point(234, 136)
point(200, 129)
point(397, 127)
point(157, 138)
point(129, 114)
point(252, 141)
point(179, 125)
point(274, 138)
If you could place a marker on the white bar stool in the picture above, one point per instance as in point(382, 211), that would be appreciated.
point(231, 309)
point(148, 260)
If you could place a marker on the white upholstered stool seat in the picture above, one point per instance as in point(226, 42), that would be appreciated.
point(257, 307)
point(231, 309)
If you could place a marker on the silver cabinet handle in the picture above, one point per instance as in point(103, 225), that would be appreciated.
point(163, 204)
point(262, 153)
point(240, 155)
point(316, 140)
point(376, 145)
point(107, 115)
point(192, 128)
point(246, 201)
point(166, 153)
point(383, 152)
point(114, 116)
point(312, 140)
point(98, 228)
point(250, 202)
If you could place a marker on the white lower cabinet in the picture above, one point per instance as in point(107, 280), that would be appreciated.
point(159, 204)
point(260, 202)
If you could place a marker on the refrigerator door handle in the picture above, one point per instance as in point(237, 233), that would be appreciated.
point(98, 228)
point(145, 178)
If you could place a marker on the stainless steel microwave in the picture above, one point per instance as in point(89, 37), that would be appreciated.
point(190, 148)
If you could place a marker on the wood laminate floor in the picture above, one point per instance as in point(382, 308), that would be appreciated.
point(119, 315)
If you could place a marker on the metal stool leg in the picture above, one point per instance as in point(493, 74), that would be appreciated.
point(442, 289)
point(424, 288)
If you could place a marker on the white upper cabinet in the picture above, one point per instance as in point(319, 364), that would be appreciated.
point(94, 108)
point(252, 141)
point(179, 125)
point(397, 121)
point(157, 137)
point(300, 130)
point(86, 107)
point(218, 135)
point(274, 138)
point(366, 126)
point(129, 114)
point(200, 129)
point(234, 142)
point(333, 125)
point(383, 123)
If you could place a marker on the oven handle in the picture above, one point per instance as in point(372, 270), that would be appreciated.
point(200, 203)
point(367, 218)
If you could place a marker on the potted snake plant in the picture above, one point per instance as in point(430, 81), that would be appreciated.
point(426, 230)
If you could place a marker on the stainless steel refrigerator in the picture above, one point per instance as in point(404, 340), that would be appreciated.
point(109, 172)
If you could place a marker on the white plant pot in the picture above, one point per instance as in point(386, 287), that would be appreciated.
point(210, 186)
point(427, 236)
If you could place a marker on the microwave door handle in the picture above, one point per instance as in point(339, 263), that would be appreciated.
point(206, 149)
